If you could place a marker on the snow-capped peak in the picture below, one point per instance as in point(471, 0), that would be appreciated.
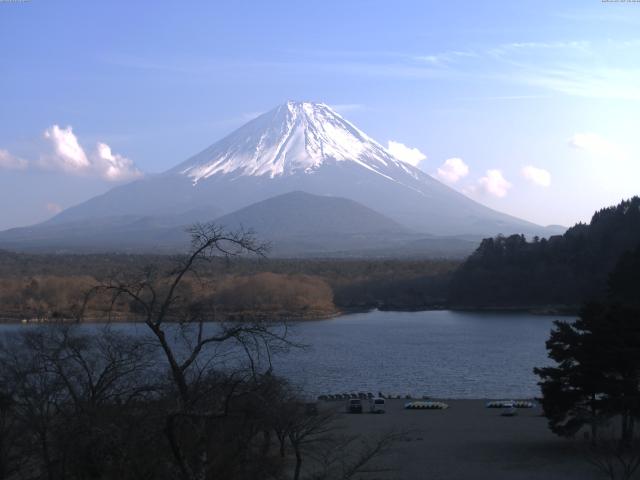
point(292, 138)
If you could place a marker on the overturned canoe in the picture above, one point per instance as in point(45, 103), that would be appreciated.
point(425, 405)
point(510, 404)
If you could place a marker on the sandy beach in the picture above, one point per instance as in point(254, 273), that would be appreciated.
point(470, 441)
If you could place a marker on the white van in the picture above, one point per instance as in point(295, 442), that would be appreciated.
point(376, 405)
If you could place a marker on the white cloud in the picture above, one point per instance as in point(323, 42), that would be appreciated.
point(494, 183)
point(452, 170)
point(596, 144)
point(112, 166)
point(69, 156)
point(412, 156)
point(9, 161)
point(537, 176)
point(443, 58)
point(53, 208)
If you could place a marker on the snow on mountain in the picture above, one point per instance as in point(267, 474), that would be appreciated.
point(293, 138)
point(306, 147)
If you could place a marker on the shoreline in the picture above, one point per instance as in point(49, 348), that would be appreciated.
point(316, 316)
point(562, 310)
point(393, 400)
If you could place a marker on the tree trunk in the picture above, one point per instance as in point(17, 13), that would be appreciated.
point(296, 475)
point(47, 460)
point(266, 442)
point(282, 440)
point(176, 371)
point(626, 437)
point(594, 425)
point(175, 448)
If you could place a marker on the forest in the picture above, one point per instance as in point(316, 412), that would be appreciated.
point(562, 271)
point(47, 286)
point(511, 272)
point(184, 401)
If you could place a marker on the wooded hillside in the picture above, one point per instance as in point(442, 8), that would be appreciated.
point(563, 270)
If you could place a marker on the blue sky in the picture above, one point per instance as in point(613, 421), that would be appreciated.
point(530, 107)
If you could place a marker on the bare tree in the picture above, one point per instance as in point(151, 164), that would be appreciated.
point(160, 300)
point(613, 457)
point(10, 458)
point(316, 435)
point(36, 394)
point(69, 395)
point(306, 430)
point(166, 310)
point(349, 456)
point(92, 403)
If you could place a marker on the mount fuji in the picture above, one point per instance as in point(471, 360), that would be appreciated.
point(296, 147)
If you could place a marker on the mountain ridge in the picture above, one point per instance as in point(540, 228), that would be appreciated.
point(291, 137)
point(298, 146)
point(295, 224)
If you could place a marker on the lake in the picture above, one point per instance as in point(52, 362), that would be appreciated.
point(442, 354)
point(436, 353)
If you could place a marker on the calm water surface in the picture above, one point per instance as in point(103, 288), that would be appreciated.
point(437, 353)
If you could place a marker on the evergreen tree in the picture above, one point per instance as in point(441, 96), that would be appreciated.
point(564, 270)
point(597, 376)
point(573, 391)
point(624, 282)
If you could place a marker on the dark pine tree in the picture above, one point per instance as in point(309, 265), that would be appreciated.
point(562, 271)
point(597, 376)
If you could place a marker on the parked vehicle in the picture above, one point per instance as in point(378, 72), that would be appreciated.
point(509, 409)
point(376, 405)
point(354, 405)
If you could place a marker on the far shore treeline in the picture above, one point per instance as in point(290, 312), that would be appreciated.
point(34, 286)
point(555, 274)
